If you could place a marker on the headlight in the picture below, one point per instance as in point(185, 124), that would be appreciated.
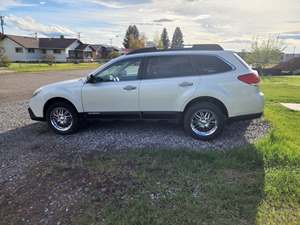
point(36, 92)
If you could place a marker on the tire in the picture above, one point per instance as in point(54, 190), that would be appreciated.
point(199, 125)
point(68, 122)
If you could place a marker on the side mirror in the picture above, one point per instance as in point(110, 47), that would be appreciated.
point(91, 79)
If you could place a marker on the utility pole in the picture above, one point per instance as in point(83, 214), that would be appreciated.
point(2, 24)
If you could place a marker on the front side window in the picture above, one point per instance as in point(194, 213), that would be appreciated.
point(169, 66)
point(209, 64)
point(19, 50)
point(125, 70)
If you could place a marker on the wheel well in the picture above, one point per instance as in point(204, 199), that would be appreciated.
point(54, 100)
point(215, 101)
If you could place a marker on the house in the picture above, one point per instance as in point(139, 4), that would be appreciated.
point(291, 66)
point(288, 56)
point(103, 51)
point(31, 49)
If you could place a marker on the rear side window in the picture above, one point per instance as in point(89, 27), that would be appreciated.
point(169, 66)
point(208, 64)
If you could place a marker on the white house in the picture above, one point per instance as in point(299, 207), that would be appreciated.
point(288, 56)
point(30, 49)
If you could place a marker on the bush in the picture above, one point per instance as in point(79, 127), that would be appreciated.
point(4, 61)
point(113, 54)
point(49, 59)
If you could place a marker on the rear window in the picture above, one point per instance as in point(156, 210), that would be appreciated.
point(207, 64)
point(169, 66)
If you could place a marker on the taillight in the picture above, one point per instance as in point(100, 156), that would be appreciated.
point(250, 78)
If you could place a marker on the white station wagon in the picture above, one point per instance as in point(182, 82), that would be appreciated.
point(202, 87)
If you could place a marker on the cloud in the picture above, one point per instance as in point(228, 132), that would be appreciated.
point(29, 24)
point(115, 4)
point(6, 4)
point(237, 41)
point(163, 20)
point(202, 17)
point(295, 35)
point(202, 21)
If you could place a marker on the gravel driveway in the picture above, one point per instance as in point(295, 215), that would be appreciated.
point(24, 142)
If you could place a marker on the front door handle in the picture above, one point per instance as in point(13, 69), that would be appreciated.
point(129, 88)
point(186, 84)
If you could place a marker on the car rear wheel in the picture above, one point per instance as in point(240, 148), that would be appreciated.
point(62, 118)
point(204, 121)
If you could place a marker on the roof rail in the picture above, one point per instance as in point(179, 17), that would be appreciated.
point(201, 47)
point(208, 47)
point(142, 50)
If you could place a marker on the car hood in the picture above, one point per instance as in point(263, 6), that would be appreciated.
point(66, 84)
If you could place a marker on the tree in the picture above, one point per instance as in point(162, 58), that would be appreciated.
point(265, 53)
point(135, 43)
point(157, 40)
point(164, 38)
point(132, 34)
point(49, 59)
point(177, 40)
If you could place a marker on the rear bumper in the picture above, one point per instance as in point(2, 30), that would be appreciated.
point(34, 117)
point(245, 117)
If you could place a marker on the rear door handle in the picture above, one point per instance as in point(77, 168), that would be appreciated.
point(129, 88)
point(186, 84)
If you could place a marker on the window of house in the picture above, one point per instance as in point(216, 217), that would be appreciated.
point(19, 50)
point(208, 64)
point(44, 51)
point(169, 66)
point(56, 51)
point(30, 50)
point(88, 54)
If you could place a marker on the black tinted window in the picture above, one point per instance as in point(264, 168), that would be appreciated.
point(205, 64)
point(169, 66)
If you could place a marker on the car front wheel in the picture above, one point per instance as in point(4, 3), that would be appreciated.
point(204, 121)
point(62, 118)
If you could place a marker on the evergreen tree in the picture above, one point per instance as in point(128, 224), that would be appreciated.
point(165, 39)
point(177, 40)
point(132, 35)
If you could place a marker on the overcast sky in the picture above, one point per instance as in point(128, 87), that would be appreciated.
point(231, 23)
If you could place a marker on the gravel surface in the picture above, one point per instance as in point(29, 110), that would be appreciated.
point(23, 142)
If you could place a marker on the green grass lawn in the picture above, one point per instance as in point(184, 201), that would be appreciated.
point(40, 67)
point(256, 184)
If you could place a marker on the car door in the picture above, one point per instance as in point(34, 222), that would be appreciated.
point(169, 80)
point(115, 89)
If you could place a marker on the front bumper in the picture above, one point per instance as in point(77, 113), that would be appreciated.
point(34, 117)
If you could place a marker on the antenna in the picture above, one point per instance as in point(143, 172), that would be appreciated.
point(78, 35)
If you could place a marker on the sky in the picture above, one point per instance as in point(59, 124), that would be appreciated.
point(232, 23)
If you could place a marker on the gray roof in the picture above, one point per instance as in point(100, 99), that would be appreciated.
point(26, 42)
point(44, 43)
point(56, 43)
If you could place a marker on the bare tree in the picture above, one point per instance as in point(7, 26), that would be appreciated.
point(266, 52)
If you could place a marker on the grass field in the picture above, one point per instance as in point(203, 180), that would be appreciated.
point(257, 184)
point(40, 67)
